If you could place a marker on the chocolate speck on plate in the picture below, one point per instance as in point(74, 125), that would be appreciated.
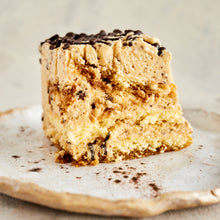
point(109, 179)
point(35, 169)
point(21, 129)
point(200, 146)
point(134, 179)
point(97, 173)
point(78, 177)
point(117, 181)
point(15, 156)
point(125, 176)
point(116, 171)
point(154, 187)
point(141, 174)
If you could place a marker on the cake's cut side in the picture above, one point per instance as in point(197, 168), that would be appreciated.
point(110, 97)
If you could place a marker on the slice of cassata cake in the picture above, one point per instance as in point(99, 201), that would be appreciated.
point(110, 97)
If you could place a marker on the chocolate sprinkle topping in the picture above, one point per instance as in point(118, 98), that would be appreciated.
point(160, 50)
point(156, 45)
point(102, 37)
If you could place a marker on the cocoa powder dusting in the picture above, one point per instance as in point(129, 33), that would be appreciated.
point(154, 187)
point(15, 156)
point(35, 170)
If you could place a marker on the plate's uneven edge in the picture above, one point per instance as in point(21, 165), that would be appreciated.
point(87, 204)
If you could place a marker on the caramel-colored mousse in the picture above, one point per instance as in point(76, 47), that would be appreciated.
point(110, 97)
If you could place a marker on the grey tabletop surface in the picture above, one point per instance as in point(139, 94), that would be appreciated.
point(189, 29)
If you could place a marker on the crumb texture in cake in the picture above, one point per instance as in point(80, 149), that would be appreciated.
point(109, 97)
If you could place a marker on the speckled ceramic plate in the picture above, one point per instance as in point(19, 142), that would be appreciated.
point(138, 188)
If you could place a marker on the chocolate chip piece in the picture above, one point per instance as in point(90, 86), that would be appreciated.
point(130, 44)
point(58, 43)
point(66, 46)
point(128, 31)
point(138, 32)
point(91, 148)
point(117, 181)
point(68, 142)
point(103, 145)
point(129, 37)
point(102, 33)
point(40, 60)
point(54, 37)
point(93, 105)
point(92, 41)
point(156, 45)
point(117, 31)
point(70, 35)
point(107, 137)
point(160, 50)
point(111, 34)
point(81, 95)
point(52, 47)
point(107, 80)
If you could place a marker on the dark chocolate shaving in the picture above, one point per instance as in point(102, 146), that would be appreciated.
point(102, 37)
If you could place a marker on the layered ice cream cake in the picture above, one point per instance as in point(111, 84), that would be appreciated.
point(110, 97)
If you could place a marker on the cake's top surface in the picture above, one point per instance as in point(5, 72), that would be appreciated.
point(102, 37)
